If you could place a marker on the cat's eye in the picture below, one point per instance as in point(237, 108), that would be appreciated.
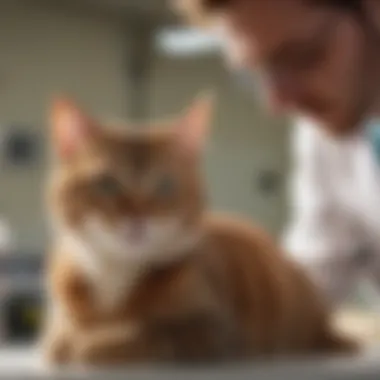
point(106, 185)
point(165, 187)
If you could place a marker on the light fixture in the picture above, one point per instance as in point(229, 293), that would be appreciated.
point(186, 42)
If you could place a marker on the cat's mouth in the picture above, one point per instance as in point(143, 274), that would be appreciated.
point(147, 239)
point(150, 233)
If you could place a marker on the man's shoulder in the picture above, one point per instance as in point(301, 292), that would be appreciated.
point(313, 135)
point(307, 136)
point(308, 129)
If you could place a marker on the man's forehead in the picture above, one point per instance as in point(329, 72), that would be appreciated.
point(270, 7)
point(262, 15)
point(266, 23)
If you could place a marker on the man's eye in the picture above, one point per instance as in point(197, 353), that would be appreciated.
point(310, 58)
point(307, 61)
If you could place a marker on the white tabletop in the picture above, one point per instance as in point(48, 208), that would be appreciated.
point(24, 363)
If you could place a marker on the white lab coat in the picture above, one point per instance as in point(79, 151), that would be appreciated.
point(335, 225)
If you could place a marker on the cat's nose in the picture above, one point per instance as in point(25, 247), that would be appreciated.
point(134, 229)
point(137, 214)
point(132, 208)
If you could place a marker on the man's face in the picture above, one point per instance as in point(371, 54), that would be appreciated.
point(311, 58)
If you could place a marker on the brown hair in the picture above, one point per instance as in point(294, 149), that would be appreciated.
point(199, 11)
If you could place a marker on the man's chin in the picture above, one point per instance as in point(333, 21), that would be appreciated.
point(333, 124)
point(341, 128)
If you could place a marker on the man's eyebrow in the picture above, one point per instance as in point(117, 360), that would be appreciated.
point(298, 44)
point(288, 49)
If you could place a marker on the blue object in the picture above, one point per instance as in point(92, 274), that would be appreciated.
point(373, 133)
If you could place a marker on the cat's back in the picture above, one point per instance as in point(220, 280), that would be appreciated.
point(270, 294)
point(236, 235)
point(252, 259)
point(256, 267)
point(246, 257)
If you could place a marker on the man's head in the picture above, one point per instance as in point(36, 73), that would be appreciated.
point(315, 56)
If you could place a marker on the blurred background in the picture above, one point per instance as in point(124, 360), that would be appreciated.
point(121, 59)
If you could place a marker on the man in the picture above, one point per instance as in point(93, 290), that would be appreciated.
point(319, 59)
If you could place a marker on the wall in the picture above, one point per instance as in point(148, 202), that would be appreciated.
point(244, 140)
point(44, 52)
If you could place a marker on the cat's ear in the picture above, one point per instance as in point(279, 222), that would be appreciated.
point(71, 127)
point(195, 124)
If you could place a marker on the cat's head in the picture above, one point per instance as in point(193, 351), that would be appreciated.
point(130, 193)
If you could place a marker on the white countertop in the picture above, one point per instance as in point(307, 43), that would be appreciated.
point(24, 363)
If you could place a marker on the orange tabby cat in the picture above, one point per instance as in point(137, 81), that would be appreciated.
point(141, 271)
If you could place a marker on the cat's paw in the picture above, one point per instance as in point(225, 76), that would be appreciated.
point(104, 346)
point(84, 353)
point(55, 352)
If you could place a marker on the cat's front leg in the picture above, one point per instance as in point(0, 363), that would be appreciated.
point(56, 340)
point(55, 349)
point(107, 345)
point(56, 344)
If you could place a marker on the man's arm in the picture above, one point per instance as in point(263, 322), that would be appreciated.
point(321, 235)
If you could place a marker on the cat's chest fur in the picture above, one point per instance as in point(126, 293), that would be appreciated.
point(112, 285)
point(127, 291)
